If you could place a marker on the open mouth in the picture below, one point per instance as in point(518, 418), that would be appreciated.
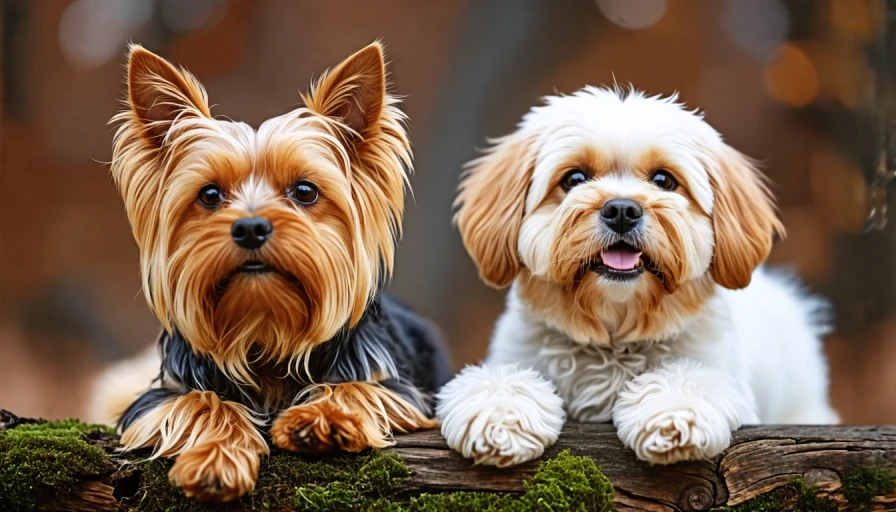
point(621, 261)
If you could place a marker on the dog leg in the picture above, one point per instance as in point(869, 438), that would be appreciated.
point(217, 444)
point(681, 410)
point(350, 416)
point(500, 415)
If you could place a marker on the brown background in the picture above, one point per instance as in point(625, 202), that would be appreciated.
point(789, 82)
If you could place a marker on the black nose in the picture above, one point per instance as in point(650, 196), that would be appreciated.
point(621, 215)
point(251, 232)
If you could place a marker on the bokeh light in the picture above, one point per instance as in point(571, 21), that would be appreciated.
point(92, 32)
point(181, 16)
point(856, 18)
point(633, 14)
point(839, 191)
point(758, 27)
point(791, 77)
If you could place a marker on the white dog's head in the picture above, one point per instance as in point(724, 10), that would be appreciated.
point(617, 214)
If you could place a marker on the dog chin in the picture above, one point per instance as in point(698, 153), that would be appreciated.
point(613, 290)
point(256, 277)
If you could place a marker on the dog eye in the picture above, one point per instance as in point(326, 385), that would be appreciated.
point(305, 193)
point(664, 180)
point(573, 178)
point(210, 196)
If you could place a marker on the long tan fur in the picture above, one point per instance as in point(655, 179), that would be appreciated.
point(217, 443)
point(329, 257)
point(744, 219)
point(490, 207)
point(168, 130)
point(350, 416)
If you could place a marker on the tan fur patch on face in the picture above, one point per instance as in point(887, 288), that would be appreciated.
point(350, 416)
point(584, 313)
point(526, 216)
point(324, 259)
point(217, 444)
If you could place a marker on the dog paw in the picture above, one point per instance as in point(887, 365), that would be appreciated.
point(500, 416)
point(678, 412)
point(676, 435)
point(215, 472)
point(323, 427)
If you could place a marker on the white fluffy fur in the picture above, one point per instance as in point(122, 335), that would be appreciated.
point(747, 356)
point(515, 412)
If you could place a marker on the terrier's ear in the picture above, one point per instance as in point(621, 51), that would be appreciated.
point(159, 94)
point(744, 219)
point(354, 92)
point(354, 96)
point(490, 207)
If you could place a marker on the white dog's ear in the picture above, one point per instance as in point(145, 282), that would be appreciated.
point(744, 219)
point(491, 204)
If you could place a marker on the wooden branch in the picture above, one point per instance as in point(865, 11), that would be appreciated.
point(761, 459)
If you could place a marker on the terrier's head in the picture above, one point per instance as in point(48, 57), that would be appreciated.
point(264, 241)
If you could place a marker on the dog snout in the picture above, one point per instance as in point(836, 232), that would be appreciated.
point(621, 215)
point(251, 232)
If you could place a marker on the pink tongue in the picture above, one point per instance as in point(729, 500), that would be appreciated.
point(620, 259)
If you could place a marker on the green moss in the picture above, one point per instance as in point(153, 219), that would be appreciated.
point(865, 484)
point(465, 502)
point(371, 476)
point(795, 496)
point(382, 475)
point(334, 496)
point(366, 482)
point(40, 461)
point(569, 483)
point(287, 481)
point(67, 425)
point(860, 489)
point(563, 483)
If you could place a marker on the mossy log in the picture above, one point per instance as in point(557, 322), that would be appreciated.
point(760, 460)
point(767, 468)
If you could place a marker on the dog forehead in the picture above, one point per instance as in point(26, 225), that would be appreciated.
point(621, 125)
point(301, 137)
point(623, 130)
point(233, 153)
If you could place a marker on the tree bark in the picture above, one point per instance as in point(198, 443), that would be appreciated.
point(760, 459)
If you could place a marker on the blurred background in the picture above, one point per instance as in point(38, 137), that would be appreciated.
point(801, 85)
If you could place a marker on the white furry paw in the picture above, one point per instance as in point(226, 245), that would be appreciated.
point(500, 416)
point(678, 412)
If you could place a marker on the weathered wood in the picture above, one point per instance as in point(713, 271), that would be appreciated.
point(760, 459)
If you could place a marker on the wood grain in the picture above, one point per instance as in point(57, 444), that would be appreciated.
point(760, 459)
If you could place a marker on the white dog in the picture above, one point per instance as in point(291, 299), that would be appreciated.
point(631, 235)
